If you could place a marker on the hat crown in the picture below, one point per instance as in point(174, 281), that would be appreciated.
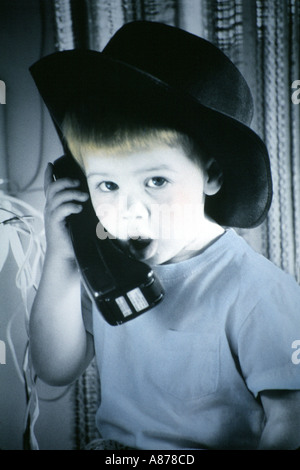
point(185, 62)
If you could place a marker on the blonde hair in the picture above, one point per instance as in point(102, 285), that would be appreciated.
point(117, 136)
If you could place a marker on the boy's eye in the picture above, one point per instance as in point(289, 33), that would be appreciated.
point(107, 186)
point(157, 182)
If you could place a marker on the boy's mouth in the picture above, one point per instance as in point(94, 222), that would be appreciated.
point(139, 247)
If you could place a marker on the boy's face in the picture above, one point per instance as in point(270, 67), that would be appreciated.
point(152, 200)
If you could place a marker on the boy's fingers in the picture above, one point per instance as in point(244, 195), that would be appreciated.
point(66, 196)
point(48, 177)
point(65, 210)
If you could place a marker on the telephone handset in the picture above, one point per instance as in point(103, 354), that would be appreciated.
point(121, 287)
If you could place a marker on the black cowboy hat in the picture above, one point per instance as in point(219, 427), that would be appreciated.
point(181, 81)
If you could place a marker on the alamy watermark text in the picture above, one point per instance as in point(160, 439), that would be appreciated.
point(2, 92)
point(296, 353)
point(296, 94)
point(2, 352)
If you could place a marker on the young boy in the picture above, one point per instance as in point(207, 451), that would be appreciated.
point(160, 120)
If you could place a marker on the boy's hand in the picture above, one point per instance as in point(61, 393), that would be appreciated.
point(62, 199)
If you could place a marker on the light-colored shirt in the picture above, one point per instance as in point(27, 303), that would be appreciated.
point(187, 374)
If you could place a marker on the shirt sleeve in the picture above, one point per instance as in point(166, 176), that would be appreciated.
point(267, 340)
point(87, 311)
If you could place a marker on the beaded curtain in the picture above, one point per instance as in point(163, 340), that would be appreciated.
point(262, 39)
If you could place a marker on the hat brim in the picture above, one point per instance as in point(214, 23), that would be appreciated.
point(244, 200)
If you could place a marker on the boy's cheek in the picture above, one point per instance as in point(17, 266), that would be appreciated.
point(180, 222)
point(103, 211)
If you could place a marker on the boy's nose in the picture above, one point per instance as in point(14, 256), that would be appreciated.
point(135, 210)
point(135, 220)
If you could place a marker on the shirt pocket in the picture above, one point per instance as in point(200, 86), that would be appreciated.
point(186, 365)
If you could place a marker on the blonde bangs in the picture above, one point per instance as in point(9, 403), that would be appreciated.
point(122, 139)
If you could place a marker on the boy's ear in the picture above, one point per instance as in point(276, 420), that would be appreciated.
point(213, 177)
